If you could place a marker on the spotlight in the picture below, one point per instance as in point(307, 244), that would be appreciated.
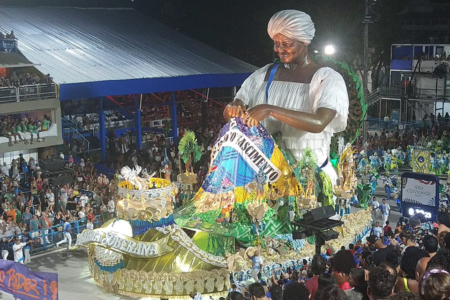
point(329, 50)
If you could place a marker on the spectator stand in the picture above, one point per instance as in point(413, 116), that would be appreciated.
point(20, 129)
point(15, 85)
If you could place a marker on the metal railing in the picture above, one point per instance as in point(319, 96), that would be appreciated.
point(396, 91)
point(45, 239)
point(28, 92)
point(391, 91)
point(376, 124)
point(374, 97)
point(67, 123)
point(9, 94)
point(74, 133)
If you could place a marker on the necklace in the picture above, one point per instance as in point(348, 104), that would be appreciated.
point(294, 66)
point(291, 66)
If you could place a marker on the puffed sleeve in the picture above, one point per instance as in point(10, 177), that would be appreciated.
point(253, 83)
point(330, 92)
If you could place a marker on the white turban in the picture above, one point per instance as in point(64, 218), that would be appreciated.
point(293, 24)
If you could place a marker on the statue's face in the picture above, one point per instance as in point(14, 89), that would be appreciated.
point(289, 50)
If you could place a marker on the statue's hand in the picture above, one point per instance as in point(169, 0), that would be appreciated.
point(235, 109)
point(257, 114)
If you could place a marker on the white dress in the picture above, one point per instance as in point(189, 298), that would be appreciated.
point(327, 89)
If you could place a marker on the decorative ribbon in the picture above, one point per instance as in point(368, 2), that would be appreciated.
point(140, 227)
point(124, 244)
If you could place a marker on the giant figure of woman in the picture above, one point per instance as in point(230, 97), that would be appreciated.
point(307, 103)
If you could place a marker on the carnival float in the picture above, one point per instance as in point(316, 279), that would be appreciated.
point(254, 189)
point(248, 200)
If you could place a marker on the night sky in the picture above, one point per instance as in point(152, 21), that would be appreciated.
point(239, 27)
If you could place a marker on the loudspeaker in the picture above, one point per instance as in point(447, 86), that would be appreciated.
point(329, 235)
point(301, 235)
point(322, 237)
point(319, 213)
point(329, 211)
point(314, 215)
point(52, 164)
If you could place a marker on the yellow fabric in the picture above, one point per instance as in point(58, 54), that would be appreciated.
point(405, 282)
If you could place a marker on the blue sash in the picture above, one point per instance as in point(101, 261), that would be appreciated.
point(269, 81)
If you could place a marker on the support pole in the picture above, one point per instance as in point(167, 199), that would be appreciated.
point(318, 247)
point(102, 131)
point(366, 68)
point(205, 112)
point(137, 122)
point(173, 111)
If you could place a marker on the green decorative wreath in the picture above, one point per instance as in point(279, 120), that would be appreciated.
point(357, 104)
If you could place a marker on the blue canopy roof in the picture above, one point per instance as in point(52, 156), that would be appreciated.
point(100, 52)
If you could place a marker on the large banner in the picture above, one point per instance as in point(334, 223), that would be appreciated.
point(244, 161)
point(23, 284)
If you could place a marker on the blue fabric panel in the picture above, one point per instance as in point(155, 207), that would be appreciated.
point(83, 90)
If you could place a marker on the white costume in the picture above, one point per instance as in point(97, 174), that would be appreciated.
point(327, 89)
point(18, 253)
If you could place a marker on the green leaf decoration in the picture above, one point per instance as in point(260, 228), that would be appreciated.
point(187, 145)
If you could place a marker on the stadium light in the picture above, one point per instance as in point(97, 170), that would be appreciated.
point(329, 50)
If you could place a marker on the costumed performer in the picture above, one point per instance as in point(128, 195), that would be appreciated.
point(303, 101)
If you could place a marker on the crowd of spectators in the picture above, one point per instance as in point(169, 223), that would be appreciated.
point(433, 128)
point(18, 128)
point(34, 210)
point(408, 261)
point(88, 122)
point(16, 79)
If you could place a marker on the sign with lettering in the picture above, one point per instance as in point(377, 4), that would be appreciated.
point(250, 153)
point(124, 244)
point(244, 162)
point(23, 284)
point(420, 193)
point(248, 150)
